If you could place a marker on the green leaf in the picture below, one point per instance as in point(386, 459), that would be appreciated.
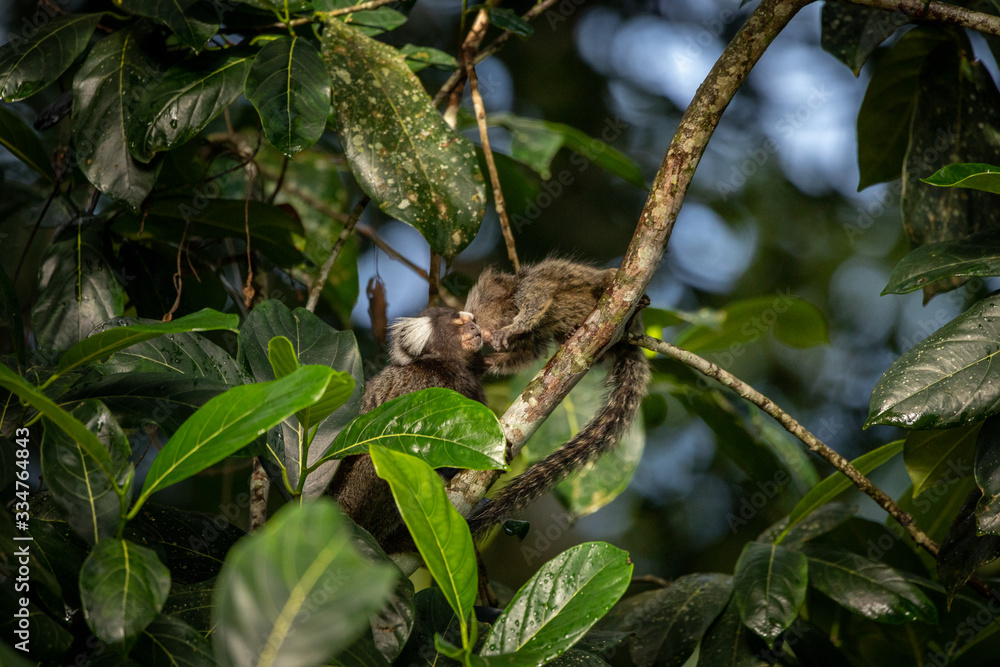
point(181, 102)
point(793, 321)
point(192, 22)
point(933, 457)
point(438, 530)
point(977, 255)
point(419, 57)
point(102, 344)
point(884, 118)
point(29, 64)
point(948, 379)
point(315, 342)
point(506, 19)
point(851, 34)
point(964, 550)
point(987, 475)
point(183, 354)
point(729, 643)
point(192, 604)
point(869, 588)
point(77, 290)
point(86, 497)
point(769, 587)
point(818, 522)
point(290, 88)
point(673, 619)
point(272, 230)
point(230, 421)
point(296, 591)
point(439, 426)
point(24, 144)
point(341, 386)
point(170, 642)
point(977, 176)
point(375, 22)
point(837, 483)
point(392, 625)
point(77, 431)
point(535, 143)
point(102, 89)
point(10, 317)
point(122, 587)
point(402, 153)
point(557, 606)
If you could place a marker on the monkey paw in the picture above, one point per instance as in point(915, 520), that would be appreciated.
point(500, 338)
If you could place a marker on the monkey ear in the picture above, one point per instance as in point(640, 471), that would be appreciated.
point(410, 336)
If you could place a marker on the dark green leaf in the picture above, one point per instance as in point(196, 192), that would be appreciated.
point(821, 520)
point(729, 643)
point(10, 316)
point(769, 587)
point(28, 64)
point(977, 176)
point(439, 426)
point(284, 362)
point(180, 103)
point(667, 624)
point(362, 653)
point(192, 604)
point(192, 544)
point(186, 354)
point(377, 21)
point(161, 398)
point(315, 342)
point(535, 142)
point(123, 587)
point(793, 321)
point(272, 230)
point(296, 591)
point(977, 255)
point(987, 473)
point(402, 153)
point(115, 70)
point(230, 421)
point(438, 530)
point(77, 290)
point(392, 625)
point(884, 119)
point(933, 457)
point(193, 24)
point(23, 143)
point(866, 587)
point(102, 344)
point(45, 638)
point(948, 379)
point(506, 19)
point(837, 483)
point(851, 33)
point(419, 57)
point(963, 550)
point(290, 88)
point(77, 431)
point(86, 497)
point(557, 606)
point(170, 642)
point(956, 119)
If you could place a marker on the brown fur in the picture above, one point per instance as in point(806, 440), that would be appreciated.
point(520, 316)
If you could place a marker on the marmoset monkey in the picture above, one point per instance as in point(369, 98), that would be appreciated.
point(520, 315)
point(441, 347)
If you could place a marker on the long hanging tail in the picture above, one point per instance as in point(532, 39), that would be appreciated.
point(629, 379)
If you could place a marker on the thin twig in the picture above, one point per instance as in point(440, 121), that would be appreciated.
point(815, 445)
point(457, 77)
point(324, 272)
point(936, 12)
point(371, 4)
point(467, 56)
point(280, 182)
point(434, 280)
point(34, 230)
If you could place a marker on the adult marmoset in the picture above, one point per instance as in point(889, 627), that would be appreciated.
point(441, 347)
point(520, 315)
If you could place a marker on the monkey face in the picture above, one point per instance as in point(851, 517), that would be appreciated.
point(469, 334)
point(437, 333)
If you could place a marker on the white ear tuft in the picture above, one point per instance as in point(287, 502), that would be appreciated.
point(410, 336)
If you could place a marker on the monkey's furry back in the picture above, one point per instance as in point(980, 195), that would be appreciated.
point(541, 304)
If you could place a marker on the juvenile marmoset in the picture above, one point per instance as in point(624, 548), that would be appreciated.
point(520, 315)
point(441, 347)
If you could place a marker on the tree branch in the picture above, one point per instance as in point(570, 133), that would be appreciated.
point(324, 272)
point(648, 245)
point(936, 12)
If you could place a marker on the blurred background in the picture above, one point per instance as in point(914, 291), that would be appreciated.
point(774, 212)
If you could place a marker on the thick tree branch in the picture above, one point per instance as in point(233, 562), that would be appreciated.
point(936, 12)
point(648, 245)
